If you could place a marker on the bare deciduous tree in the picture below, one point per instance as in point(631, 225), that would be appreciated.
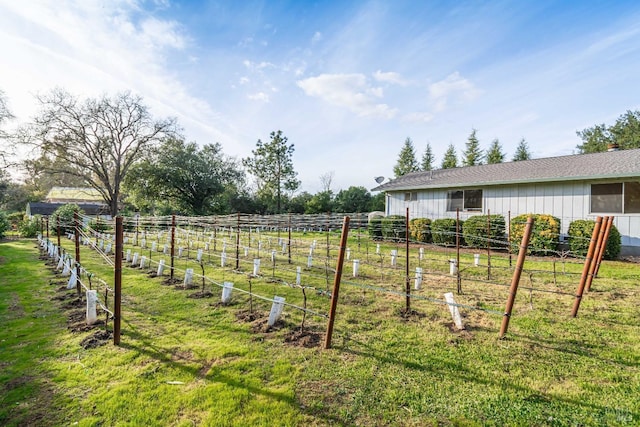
point(96, 139)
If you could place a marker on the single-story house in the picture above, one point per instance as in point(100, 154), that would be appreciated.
point(581, 186)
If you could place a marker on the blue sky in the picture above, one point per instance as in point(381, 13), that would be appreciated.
point(346, 81)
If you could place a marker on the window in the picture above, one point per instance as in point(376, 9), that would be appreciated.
point(411, 196)
point(619, 197)
point(465, 200)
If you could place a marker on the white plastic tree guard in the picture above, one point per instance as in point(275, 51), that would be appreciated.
point(107, 249)
point(188, 276)
point(453, 267)
point(348, 253)
point(273, 255)
point(311, 250)
point(453, 308)
point(356, 267)
point(309, 261)
point(165, 249)
point(73, 280)
point(160, 268)
point(199, 255)
point(143, 261)
point(60, 263)
point(227, 288)
point(421, 253)
point(127, 256)
point(154, 246)
point(246, 251)
point(256, 266)
point(67, 267)
point(180, 249)
point(135, 259)
point(418, 282)
point(206, 246)
point(394, 257)
point(125, 240)
point(284, 248)
point(223, 259)
point(378, 248)
point(143, 243)
point(276, 310)
point(476, 260)
point(298, 275)
point(92, 307)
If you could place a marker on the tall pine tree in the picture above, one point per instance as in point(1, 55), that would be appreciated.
point(450, 159)
point(495, 153)
point(522, 151)
point(406, 160)
point(472, 155)
point(427, 158)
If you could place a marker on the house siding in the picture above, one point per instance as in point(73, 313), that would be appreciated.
point(568, 201)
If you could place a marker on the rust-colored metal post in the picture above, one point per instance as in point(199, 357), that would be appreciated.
point(47, 225)
point(58, 228)
point(407, 282)
point(117, 280)
point(515, 280)
point(458, 278)
point(173, 245)
point(289, 243)
point(237, 244)
point(587, 266)
point(336, 282)
point(488, 244)
point(41, 227)
point(598, 250)
point(605, 240)
point(76, 221)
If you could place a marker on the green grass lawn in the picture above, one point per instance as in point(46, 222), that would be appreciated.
point(192, 361)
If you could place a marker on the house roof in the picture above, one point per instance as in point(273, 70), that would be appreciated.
point(611, 164)
point(74, 193)
point(47, 209)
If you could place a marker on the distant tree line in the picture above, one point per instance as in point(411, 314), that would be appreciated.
point(142, 164)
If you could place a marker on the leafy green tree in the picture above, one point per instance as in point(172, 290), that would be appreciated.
point(353, 199)
point(65, 212)
point(406, 160)
point(298, 203)
point(522, 151)
point(495, 153)
point(625, 132)
point(194, 180)
point(98, 140)
point(4, 224)
point(320, 203)
point(427, 158)
point(472, 155)
point(272, 166)
point(450, 159)
point(377, 202)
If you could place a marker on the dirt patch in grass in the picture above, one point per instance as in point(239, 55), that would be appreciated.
point(410, 315)
point(97, 339)
point(248, 316)
point(15, 308)
point(74, 303)
point(200, 294)
point(169, 281)
point(262, 326)
point(305, 338)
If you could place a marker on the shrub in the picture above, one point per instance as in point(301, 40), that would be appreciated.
point(375, 228)
point(4, 224)
point(420, 230)
point(29, 227)
point(15, 218)
point(545, 236)
point(66, 219)
point(580, 232)
point(475, 233)
point(394, 227)
point(443, 231)
point(99, 225)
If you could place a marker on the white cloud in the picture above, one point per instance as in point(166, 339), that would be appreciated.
point(452, 90)
point(352, 91)
point(260, 96)
point(244, 80)
point(389, 77)
point(162, 33)
point(316, 37)
point(418, 117)
point(257, 66)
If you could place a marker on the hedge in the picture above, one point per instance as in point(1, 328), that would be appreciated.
point(474, 231)
point(443, 231)
point(545, 236)
point(375, 228)
point(420, 230)
point(394, 227)
point(580, 232)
